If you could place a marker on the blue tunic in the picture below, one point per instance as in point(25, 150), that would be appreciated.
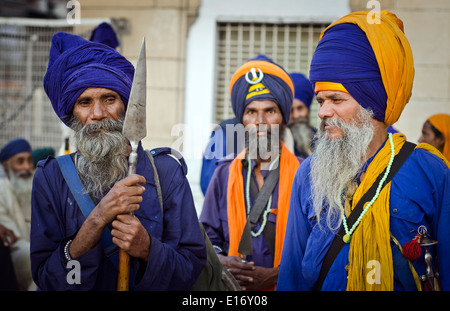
point(175, 260)
point(420, 195)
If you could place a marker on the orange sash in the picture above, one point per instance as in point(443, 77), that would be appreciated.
point(236, 211)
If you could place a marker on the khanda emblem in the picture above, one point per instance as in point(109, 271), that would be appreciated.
point(256, 88)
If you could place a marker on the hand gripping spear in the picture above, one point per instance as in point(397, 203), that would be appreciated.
point(134, 129)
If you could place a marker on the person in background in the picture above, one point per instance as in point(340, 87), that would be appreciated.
point(299, 121)
point(436, 132)
point(42, 154)
point(15, 206)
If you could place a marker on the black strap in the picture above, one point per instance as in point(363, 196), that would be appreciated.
point(270, 228)
point(245, 244)
point(338, 243)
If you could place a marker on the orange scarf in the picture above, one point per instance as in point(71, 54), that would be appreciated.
point(236, 211)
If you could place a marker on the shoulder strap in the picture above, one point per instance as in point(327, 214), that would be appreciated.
point(338, 243)
point(156, 177)
point(83, 199)
point(245, 244)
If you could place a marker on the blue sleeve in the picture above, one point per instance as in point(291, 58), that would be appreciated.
point(290, 276)
point(214, 212)
point(176, 261)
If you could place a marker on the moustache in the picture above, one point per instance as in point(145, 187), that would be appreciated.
point(25, 174)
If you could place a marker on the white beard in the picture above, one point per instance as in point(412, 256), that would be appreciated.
point(22, 188)
point(336, 162)
point(102, 157)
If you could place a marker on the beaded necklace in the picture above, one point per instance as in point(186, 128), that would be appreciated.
point(348, 233)
point(247, 196)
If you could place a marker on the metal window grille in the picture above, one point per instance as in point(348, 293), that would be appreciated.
point(289, 45)
point(25, 110)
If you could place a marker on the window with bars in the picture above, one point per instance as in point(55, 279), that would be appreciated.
point(25, 110)
point(289, 45)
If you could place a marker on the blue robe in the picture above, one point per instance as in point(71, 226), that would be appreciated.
point(175, 260)
point(420, 195)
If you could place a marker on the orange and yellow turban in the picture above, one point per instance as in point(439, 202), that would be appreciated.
point(373, 62)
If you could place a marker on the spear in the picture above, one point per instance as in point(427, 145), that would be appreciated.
point(134, 129)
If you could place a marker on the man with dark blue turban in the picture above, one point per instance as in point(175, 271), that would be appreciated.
point(15, 207)
point(252, 191)
point(299, 126)
point(88, 85)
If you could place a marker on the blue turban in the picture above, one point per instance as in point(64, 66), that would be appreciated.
point(14, 147)
point(105, 34)
point(303, 88)
point(76, 64)
point(276, 82)
point(344, 55)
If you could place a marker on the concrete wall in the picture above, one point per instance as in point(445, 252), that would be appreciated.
point(164, 23)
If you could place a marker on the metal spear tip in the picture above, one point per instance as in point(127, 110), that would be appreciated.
point(134, 126)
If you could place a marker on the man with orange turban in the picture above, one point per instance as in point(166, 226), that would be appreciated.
point(360, 200)
point(247, 201)
point(436, 132)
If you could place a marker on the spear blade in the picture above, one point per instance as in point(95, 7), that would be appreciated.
point(134, 125)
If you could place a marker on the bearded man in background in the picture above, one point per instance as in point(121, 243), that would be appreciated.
point(299, 119)
point(15, 207)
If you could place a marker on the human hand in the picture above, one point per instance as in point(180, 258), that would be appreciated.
point(130, 235)
point(7, 236)
point(123, 198)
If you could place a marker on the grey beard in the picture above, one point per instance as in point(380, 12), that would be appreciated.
point(336, 162)
point(102, 158)
point(263, 147)
point(302, 134)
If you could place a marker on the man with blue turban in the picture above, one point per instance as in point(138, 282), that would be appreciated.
point(246, 203)
point(89, 84)
point(366, 203)
point(299, 126)
point(15, 207)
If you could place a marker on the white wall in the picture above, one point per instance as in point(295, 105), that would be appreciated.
point(200, 62)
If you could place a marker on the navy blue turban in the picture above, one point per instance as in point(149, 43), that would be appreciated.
point(303, 88)
point(14, 147)
point(76, 64)
point(276, 86)
point(105, 34)
point(344, 55)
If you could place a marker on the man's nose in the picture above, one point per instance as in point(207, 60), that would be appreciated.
point(98, 111)
point(325, 111)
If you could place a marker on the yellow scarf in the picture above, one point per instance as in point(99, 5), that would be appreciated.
point(370, 244)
